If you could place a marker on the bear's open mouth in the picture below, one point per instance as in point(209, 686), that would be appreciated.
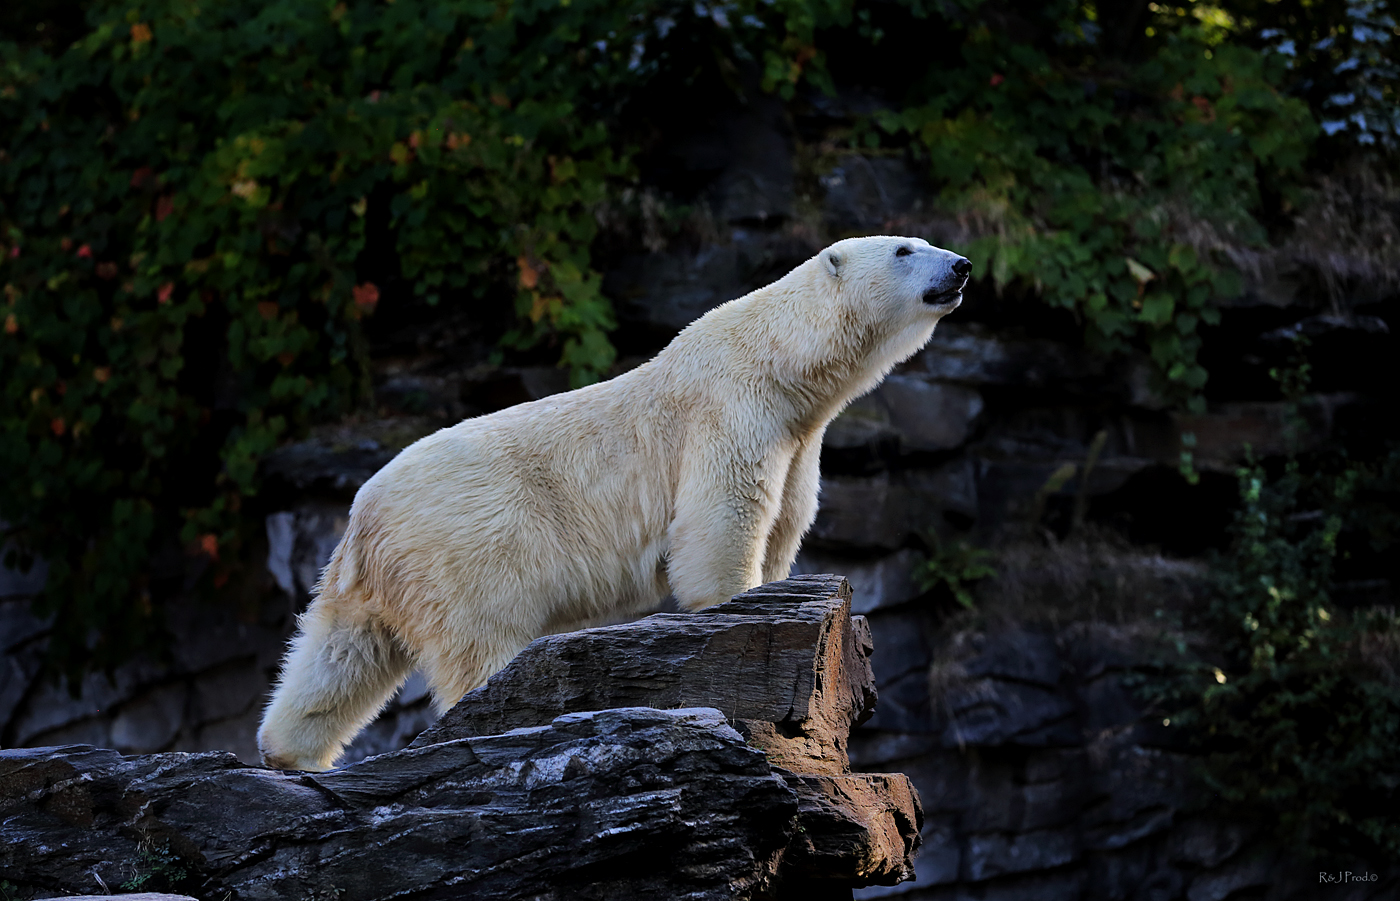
point(935, 298)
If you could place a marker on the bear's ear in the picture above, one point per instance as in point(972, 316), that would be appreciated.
point(833, 262)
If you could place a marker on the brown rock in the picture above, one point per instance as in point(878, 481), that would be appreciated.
point(786, 663)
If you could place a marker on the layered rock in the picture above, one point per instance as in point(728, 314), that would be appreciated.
point(696, 756)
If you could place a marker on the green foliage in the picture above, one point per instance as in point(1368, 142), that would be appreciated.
point(954, 567)
point(1301, 720)
point(199, 204)
point(1300, 730)
point(160, 870)
point(1114, 190)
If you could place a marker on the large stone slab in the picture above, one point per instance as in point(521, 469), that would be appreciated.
point(607, 804)
point(786, 662)
point(681, 756)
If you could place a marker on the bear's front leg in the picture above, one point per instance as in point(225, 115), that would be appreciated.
point(797, 511)
point(725, 507)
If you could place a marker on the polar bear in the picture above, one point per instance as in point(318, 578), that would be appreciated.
point(694, 474)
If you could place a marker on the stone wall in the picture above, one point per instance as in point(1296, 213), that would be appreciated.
point(1040, 774)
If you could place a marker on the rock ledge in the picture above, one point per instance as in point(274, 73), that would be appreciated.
point(681, 756)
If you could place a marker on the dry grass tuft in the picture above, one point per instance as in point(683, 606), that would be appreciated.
point(1349, 231)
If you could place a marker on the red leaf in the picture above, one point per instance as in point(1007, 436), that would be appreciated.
point(85, 252)
point(366, 295)
point(163, 295)
point(164, 207)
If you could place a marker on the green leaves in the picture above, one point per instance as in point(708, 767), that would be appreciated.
point(1298, 732)
point(1120, 212)
point(201, 207)
point(955, 568)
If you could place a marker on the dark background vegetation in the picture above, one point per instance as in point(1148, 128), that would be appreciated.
point(214, 216)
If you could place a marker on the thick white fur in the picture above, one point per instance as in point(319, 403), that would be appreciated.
point(694, 474)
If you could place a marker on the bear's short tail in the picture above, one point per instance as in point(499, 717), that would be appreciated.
point(342, 668)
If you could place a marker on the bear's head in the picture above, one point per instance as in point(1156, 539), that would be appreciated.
point(897, 272)
point(890, 292)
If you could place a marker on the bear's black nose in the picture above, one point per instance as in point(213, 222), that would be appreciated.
point(962, 267)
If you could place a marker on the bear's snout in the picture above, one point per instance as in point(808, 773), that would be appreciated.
point(948, 290)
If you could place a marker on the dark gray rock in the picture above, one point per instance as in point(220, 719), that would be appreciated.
point(888, 510)
point(905, 707)
point(946, 784)
point(534, 797)
point(1020, 656)
point(336, 460)
point(1064, 882)
point(1129, 873)
point(864, 193)
point(929, 415)
point(139, 896)
point(1207, 843)
point(972, 354)
point(151, 721)
point(915, 414)
point(608, 786)
point(878, 584)
point(49, 707)
point(1108, 703)
point(18, 624)
point(18, 669)
point(300, 542)
point(1140, 789)
point(1054, 764)
point(230, 690)
point(906, 640)
point(879, 749)
point(995, 712)
point(17, 583)
point(1253, 871)
point(870, 512)
point(671, 290)
point(755, 184)
point(997, 854)
point(667, 291)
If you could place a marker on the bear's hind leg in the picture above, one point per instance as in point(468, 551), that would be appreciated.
point(452, 675)
point(336, 678)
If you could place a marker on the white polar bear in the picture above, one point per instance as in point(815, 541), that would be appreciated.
point(694, 474)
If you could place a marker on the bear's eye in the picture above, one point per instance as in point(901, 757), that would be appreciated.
point(903, 252)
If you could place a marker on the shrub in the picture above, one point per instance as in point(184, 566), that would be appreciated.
point(1300, 722)
point(200, 203)
point(1124, 191)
